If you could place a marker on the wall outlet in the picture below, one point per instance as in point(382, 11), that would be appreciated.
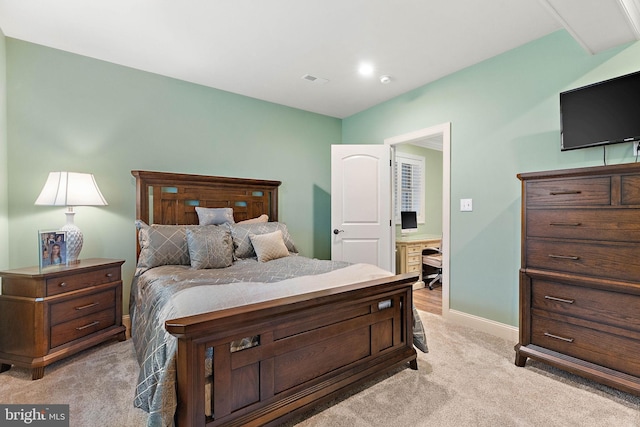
point(466, 205)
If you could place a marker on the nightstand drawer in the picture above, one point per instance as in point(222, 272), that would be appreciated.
point(72, 282)
point(569, 192)
point(82, 306)
point(78, 328)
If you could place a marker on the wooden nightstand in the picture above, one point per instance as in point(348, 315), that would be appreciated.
point(48, 315)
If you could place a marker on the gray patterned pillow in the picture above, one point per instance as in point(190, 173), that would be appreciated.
point(242, 242)
point(210, 246)
point(214, 216)
point(162, 245)
point(269, 246)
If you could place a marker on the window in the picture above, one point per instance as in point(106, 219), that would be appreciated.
point(410, 187)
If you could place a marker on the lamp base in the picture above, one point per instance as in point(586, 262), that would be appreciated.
point(74, 239)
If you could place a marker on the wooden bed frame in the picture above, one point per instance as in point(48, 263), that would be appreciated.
point(312, 347)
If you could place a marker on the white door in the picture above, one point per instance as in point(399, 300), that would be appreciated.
point(361, 204)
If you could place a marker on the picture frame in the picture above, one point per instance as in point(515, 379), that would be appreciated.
point(52, 248)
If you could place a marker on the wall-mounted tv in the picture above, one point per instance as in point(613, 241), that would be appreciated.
point(602, 113)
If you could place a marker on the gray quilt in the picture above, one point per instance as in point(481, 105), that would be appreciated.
point(166, 292)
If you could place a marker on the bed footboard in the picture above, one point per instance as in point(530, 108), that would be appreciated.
point(302, 350)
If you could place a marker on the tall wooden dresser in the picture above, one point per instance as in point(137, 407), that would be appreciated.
point(580, 274)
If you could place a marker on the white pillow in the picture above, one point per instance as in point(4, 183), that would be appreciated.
point(261, 218)
point(269, 246)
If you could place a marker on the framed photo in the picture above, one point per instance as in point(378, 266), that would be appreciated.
point(52, 247)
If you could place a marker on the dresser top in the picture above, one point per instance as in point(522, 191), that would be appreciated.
point(623, 168)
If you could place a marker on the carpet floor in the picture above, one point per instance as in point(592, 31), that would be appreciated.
point(467, 379)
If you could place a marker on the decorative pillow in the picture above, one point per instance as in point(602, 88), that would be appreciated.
point(214, 216)
point(269, 246)
point(162, 245)
point(242, 242)
point(260, 219)
point(210, 246)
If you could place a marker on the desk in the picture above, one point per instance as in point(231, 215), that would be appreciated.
point(409, 251)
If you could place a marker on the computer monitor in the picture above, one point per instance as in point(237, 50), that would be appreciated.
point(409, 221)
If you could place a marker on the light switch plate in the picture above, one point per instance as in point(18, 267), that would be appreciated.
point(466, 205)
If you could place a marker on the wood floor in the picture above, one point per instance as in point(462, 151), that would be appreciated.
point(427, 300)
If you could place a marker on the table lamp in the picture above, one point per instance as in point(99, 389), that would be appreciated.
point(71, 189)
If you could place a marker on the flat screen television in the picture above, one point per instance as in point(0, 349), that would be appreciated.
point(602, 113)
point(409, 221)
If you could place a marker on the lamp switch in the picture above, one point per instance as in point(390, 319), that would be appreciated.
point(466, 205)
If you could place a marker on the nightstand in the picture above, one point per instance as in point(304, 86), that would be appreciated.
point(48, 315)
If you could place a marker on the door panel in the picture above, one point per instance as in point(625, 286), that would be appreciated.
point(361, 204)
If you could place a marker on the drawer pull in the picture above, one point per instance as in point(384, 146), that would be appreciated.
point(62, 285)
point(571, 257)
point(558, 193)
point(568, 301)
point(547, 334)
point(93, 304)
point(109, 275)
point(565, 224)
point(88, 326)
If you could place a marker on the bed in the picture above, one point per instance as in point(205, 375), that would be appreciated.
point(249, 335)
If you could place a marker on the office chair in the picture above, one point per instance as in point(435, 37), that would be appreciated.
point(432, 266)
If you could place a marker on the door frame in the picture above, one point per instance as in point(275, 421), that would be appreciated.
point(443, 130)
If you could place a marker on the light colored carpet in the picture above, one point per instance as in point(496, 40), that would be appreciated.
point(467, 379)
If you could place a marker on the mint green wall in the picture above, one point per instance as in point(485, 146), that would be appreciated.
point(433, 188)
point(4, 222)
point(504, 116)
point(68, 112)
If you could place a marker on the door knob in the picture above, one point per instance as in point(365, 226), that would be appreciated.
point(336, 231)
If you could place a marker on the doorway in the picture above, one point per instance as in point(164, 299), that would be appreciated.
point(435, 136)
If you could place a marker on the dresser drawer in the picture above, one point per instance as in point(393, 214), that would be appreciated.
point(618, 225)
point(605, 307)
point(72, 282)
point(569, 192)
point(82, 326)
point(602, 348)
point(82, 306)
point(601, 260)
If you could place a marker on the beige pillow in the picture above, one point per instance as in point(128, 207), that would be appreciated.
point(261, 218)
point(269, 246)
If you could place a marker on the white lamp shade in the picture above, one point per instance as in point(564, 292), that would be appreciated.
point(70, 189)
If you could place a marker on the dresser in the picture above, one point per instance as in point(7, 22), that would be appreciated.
point(580, 272)
point(50, 314)
point(409, 251)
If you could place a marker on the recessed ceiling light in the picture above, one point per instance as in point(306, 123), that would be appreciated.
point(366, 69)
point(385, 79)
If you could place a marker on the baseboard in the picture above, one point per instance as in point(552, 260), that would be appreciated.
point(126, 321)
point(507, 332)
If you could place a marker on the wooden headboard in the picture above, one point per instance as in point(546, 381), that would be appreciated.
point(171, 198)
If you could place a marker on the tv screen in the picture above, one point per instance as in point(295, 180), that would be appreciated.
point(602, 113)
point(408, 221)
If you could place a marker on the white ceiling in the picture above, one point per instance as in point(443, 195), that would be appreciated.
point(263, 48)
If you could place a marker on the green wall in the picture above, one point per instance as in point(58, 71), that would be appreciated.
point(504, 115)
point(4, 210)
point(69, 112)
